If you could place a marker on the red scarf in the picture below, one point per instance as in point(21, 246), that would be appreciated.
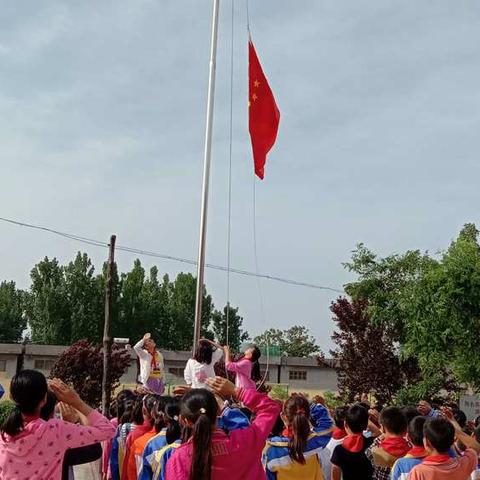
point(339, 433)
point(396, 446)
point(354, 443)
point(437, 458)
point(417, 452)
point(287, 432)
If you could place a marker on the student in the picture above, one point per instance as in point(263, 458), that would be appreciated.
point(137, 439)
point(402, 467)
point(300, 451)
point(339, 432)
point(247, 369)
point(167, 429)
point(31, 447)
point(439, 436)
point(151, 365)
point(426, 410)
point(210, 453)
point(385, 451)
point(201, 366)
point(349, 461)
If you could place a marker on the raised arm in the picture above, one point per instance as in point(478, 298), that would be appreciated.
point(138, 347)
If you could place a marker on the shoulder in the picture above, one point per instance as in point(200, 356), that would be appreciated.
point(470, 456)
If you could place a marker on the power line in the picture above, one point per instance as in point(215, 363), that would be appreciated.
point(148, 253)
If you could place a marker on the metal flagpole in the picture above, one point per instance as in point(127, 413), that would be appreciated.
point(206, 176)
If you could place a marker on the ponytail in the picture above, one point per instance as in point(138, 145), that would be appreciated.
point(28, 389)
point(174, 430)
point(296, 411)
point(199, 408)
point(202, 455)
point(256, 376)
point(13, 424)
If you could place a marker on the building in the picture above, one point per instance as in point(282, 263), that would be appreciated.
point(295, 373)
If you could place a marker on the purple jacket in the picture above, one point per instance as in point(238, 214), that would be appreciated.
point(236, 456)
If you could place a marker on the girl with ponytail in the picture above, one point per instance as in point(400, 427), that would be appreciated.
point(300, 450)
point(34, 447)
point(247, 369)
point(211, 454)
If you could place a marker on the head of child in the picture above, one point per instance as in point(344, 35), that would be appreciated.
point(123, 401)
point(198, 413)
point(149, 405)
point(393, 422)
point(439, 435)
point(253, 354)
point(150, 346)
point(204, 352)
point(356, 420)
point(296, 417)
point(28, 390)
point(415, 431)
point(339, 417)
point(172, 420)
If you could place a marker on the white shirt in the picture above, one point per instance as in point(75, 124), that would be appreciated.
point(196, 373)
point(146, 361)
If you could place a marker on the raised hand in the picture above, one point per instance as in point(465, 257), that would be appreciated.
point(221, 386)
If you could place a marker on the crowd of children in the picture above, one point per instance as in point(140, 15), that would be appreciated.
point(212, 429)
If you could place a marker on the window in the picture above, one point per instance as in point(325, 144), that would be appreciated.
point(43, 364)
point(177, 371)
point(297, 374)
point(3, 365)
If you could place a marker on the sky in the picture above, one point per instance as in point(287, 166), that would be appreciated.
point(102, 131)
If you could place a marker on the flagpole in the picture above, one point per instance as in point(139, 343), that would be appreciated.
point(206, 177)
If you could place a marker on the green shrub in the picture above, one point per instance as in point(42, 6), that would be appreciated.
point(5, 408)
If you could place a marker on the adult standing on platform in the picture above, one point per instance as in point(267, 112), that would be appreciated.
point(151, 365)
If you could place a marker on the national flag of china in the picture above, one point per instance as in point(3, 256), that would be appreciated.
point(264, 115)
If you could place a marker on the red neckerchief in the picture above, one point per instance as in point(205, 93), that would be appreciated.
point(354, 443)
point(396, 446)
point(153, 363)
point(287, 432)
point(437, 458)
point(338, 433)
point(417, 452)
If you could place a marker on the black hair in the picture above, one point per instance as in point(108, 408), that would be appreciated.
point(247, 412)
point(136, 413)
point(149, 404)
point(278, 427)
point(339, 417)
point(365, 405)
point(172, 414)
point(159, 413)
point(440, 433)
point(27, 389)
point(297, 412)
point(477, 421)
point(256, 354)
point(460, 417)
point(409, 412)
point(199, 407)
point(393, 420)
point(123, 402)
point(415, 430)
point(356, 418)
point(204, 352)
point(47, 411)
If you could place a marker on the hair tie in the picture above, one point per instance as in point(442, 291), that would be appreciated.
point(300, 411)
point(202, 410)
point(175, 417)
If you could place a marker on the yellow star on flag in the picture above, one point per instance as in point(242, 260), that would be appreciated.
point(256, 83)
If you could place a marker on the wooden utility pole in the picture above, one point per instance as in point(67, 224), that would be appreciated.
point(107, 327)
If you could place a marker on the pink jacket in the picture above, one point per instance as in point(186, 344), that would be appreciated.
point(236, 456)
point(37, 452)
point(107, 450)
point(243, 369)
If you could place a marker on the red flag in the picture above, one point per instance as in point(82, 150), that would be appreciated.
point(264, 115)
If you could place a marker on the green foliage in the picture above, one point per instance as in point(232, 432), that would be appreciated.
point(296, 341)
point(6, 406)
point(333, 400)
point(430, 306)
point(278, 392)
point(66, 304)
point(12, 320)
point(236, 336)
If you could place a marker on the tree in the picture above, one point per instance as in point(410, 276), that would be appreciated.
point(366, 358)
point(85, 297)
point(236, 336)
point(293, 342)
point(48, 309)
point(12, 319)
point(81, 366)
